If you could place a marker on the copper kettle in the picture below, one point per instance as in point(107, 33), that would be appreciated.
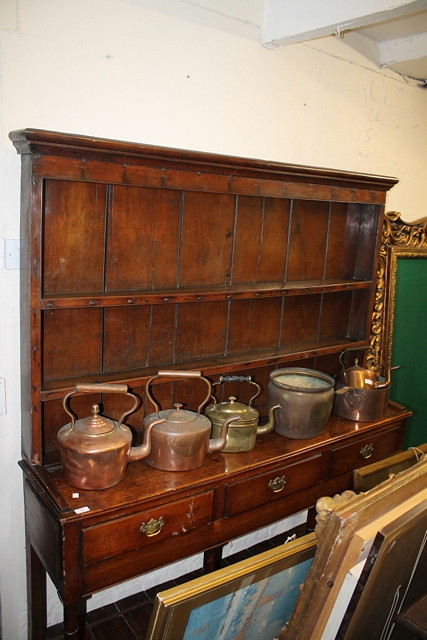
point(95, 450)
point(182, 441)
point(241, 435)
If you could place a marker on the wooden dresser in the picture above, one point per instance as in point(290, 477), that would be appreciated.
point(139, 258)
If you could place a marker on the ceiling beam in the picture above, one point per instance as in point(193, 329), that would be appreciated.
point(290, 21)
point(411, 47)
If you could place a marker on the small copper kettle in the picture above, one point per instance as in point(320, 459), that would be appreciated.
point(182, 441)
point(95, 450)
point(241, 435)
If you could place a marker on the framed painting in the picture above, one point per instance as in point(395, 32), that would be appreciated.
point(396, 556)
point(398, 337)
point(345, 541)
point(249, 600)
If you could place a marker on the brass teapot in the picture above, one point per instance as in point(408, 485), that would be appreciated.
point(242, 434)
point(182, 441)
point(95, 450)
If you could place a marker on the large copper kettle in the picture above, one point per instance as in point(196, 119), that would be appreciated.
point(242, 434)
point(95, 450)
point(182, 441)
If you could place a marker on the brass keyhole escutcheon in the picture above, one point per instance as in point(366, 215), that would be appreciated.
point(367, 451)
point(152, 527)
point(277, 484)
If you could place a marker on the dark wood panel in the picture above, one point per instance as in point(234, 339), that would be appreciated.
point(300, 322)
point(335, 315)
point(207, 239)
point(162, 334)
point(343, 243)
point(260, 240)
point(272, 259)
point(360, 316)
point(254, 325)
point(126, 338)
point(201, 330)
point(72, 343)
point(143, 239)
point(309, 226)
point(247, 240)
point(369, 219)
point(74, 222)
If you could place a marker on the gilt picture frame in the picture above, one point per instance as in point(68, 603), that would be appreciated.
point(398, 339)
point(399, 239)
point(252, 598)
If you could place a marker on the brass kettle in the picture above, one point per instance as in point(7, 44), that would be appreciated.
point(241, 435)
point(182, 441)
point(95, 450)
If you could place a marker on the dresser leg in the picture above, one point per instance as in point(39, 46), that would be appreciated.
point(75, 620)
point(212, 559)
point(36, 595)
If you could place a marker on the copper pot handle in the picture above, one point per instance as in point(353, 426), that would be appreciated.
point(95, 387)
point(177, 374)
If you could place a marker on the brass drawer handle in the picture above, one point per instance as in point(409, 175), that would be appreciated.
point(367, 451)
point(152, 527)
point(277, 484)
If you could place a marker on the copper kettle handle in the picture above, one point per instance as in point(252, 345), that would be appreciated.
point(239, 379)
point(82, 387)
point(348, 350)
point(178, 374)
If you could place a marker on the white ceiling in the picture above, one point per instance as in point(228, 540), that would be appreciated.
point(390, 33)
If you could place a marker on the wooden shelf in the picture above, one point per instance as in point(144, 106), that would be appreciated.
point(176, 295)
point(55, 389)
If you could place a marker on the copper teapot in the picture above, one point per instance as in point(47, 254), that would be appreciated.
point(241, 435)
point(182, 441)
point(95, 450)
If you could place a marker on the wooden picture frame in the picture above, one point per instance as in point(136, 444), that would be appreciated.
point(398, 316)
point(365, 478)
point(396, 556)
point(257, 593)
point(344, 543)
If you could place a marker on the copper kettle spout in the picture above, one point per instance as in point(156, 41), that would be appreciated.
point(386, 383)
point(144, 449)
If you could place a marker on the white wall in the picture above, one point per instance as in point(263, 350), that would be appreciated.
point(118, 69)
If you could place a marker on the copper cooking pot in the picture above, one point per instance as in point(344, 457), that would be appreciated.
point(182, 441)
point(95, 450)
point(241, 435)
point(361, 395)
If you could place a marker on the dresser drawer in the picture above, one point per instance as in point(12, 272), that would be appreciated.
point(146, 527)
point(274, 485)
point(365, 451)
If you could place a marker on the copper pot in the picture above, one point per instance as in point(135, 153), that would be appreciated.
point(182, 441)
point(306, 397)
point(241, 435)
point(361, 395)
point(95, 450)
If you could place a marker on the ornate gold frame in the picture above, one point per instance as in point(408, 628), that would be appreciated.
point(399, 239)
